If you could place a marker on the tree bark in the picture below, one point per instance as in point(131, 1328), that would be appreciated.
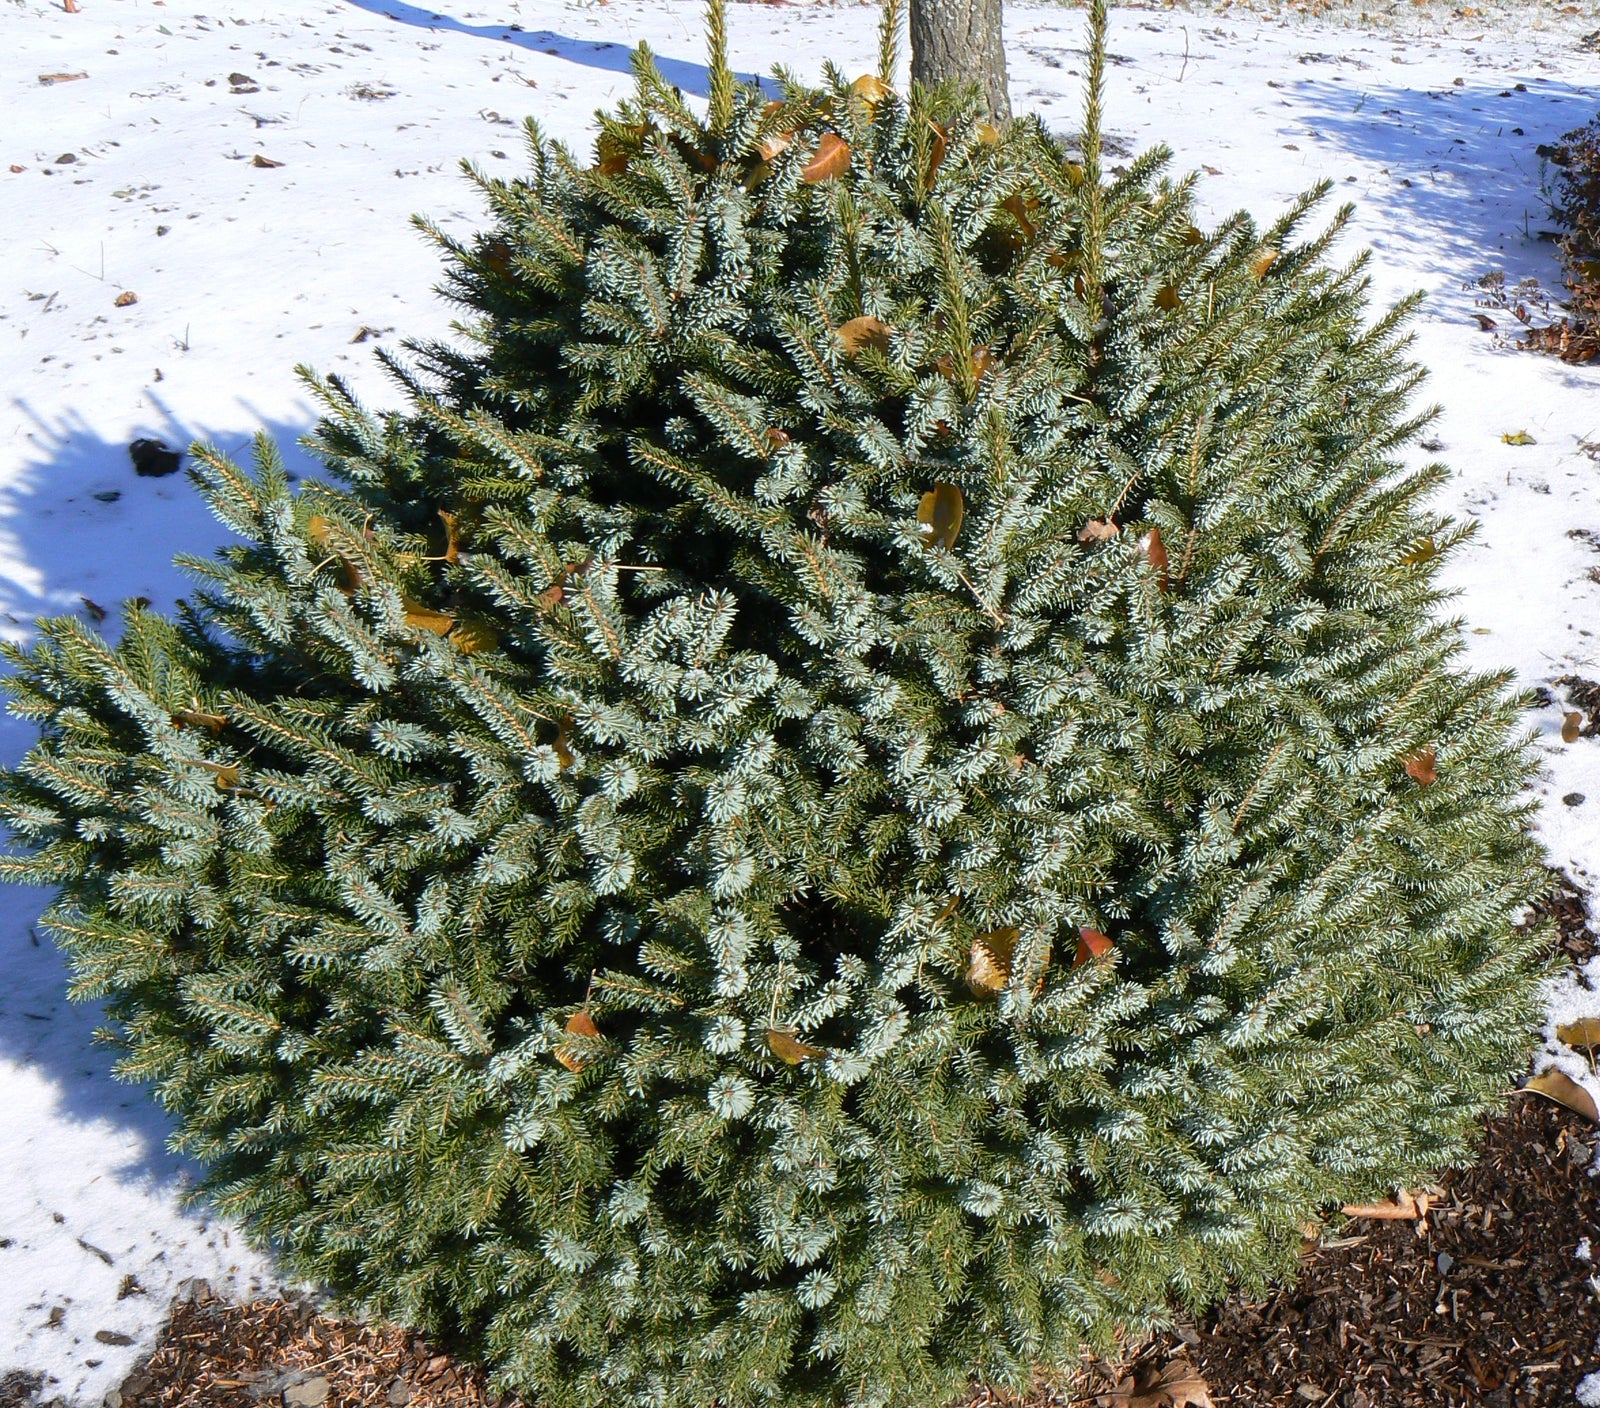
point(961, 39)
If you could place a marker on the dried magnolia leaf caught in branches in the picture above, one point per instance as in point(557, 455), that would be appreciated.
point(939, 516)
point(1420, 768)
point(989, 965)
point(580, 1024)
point(832, 158)
point(1092, 944)
point(865, 331)
point(789, 1049)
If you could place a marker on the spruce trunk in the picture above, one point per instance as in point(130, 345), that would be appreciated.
point(962, 40)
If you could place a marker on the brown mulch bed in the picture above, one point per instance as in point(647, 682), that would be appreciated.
point(217, 1353)
point(1482, 1303)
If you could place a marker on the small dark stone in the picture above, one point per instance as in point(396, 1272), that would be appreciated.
point(1573, 799)
point(65, 159)
point(151, 459)
point(399, 1393)
point(113, 1337)
point(308, 1393)
point(240, 78)
point(109, 496)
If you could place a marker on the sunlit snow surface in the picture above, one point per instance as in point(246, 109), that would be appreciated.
point(240, 271)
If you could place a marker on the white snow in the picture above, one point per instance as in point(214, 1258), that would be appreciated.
point(368, 104)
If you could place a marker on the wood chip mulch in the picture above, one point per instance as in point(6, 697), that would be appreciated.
point(216, 1353)
point(1488, 1301)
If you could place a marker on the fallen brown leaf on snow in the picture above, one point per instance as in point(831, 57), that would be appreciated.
point(1580, 1035)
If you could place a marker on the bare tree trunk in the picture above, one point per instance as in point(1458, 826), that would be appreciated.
point(961, 39)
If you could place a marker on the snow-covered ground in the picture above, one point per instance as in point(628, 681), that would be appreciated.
point(140, 136)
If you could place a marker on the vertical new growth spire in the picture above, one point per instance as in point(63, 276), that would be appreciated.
point(720, 72)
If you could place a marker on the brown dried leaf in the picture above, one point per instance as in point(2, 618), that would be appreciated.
point(832, 158)
point(939, 516)
point(1554, 1085)
point(941, 144)
point(1582, 1035)
point(1192, 236)
point(1091, 944)
point(1155, 552)
point(1420, 768)
point(1418, 553)
point(126, 299)
point(580, 1024)
point(497, 254)
point(1167, 298)
point(562, 746)
point(771, 144)
point(1174, 1384)
point(946, 910)
point(865, 331)
point(1485, 322)
point(1571, 728)
point(452, 536)
point(1263, 261)
point(1519, 437)
point(775, 437)
point(473, 635)
point(1098, 530)
point(265, 163)
point(989, 964)
point(50, 78)
point(871, 90)
point(981, 362)
point(1021, 208)
point(425, 618)
point(790, 1049)
point(226, 775)
point(988, 134)
point(198, 718)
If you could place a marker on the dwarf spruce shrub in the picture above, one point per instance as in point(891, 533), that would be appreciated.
point(867, 787)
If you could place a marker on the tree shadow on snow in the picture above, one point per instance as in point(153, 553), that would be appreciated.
point(78, 526)
point(592, 53)
point(1451, 200)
